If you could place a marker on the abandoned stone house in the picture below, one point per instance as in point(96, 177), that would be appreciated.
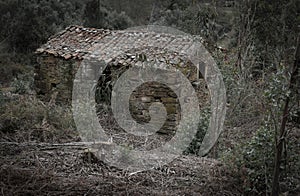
point(59, 59)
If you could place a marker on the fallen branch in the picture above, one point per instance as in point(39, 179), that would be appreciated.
point(51, 146)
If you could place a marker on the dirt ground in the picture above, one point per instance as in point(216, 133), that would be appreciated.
point(49, 169)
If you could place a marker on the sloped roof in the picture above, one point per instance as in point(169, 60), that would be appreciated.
point(73, 42)
point(77, 41)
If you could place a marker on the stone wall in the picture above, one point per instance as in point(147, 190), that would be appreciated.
point(54, 75)
point(148, 93)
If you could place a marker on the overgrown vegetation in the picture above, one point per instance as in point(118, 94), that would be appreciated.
point(24, 118)
point(202, 127)
point(257, 59)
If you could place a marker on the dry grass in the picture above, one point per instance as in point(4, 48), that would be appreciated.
point(24, 118)
point(29, 169)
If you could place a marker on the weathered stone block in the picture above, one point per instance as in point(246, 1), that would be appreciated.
point(171, 108)
point(57, 67)
point(169, 99)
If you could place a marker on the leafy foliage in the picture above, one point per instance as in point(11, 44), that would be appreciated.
point(190, 19)
point(98, 16)
point(257, 157)
point(263, 39)
point(27, 24)
point(275, 29)
point(202, 128)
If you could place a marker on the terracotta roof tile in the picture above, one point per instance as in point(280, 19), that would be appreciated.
point(76, 41)
point(72, 42)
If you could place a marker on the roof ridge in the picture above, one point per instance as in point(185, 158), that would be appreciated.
point(75, 41)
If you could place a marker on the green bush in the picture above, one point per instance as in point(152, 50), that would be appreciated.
point(253, 161)
point(254, 158)
point(202, 128)
point(23, 84)
point(98, 15)
point(257, 157)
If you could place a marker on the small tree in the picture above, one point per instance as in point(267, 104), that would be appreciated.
point(281, 137)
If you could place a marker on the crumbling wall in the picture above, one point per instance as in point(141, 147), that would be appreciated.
point(148, 93)
point(54, 77)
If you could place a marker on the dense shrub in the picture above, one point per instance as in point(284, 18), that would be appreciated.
point(254, 157)
point(97, 15)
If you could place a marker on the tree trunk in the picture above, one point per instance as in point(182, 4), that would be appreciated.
point(282, 135)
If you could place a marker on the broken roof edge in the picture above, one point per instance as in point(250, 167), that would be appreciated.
point(51, 48)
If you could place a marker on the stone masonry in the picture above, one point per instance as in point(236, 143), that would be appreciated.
point(59, 59)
